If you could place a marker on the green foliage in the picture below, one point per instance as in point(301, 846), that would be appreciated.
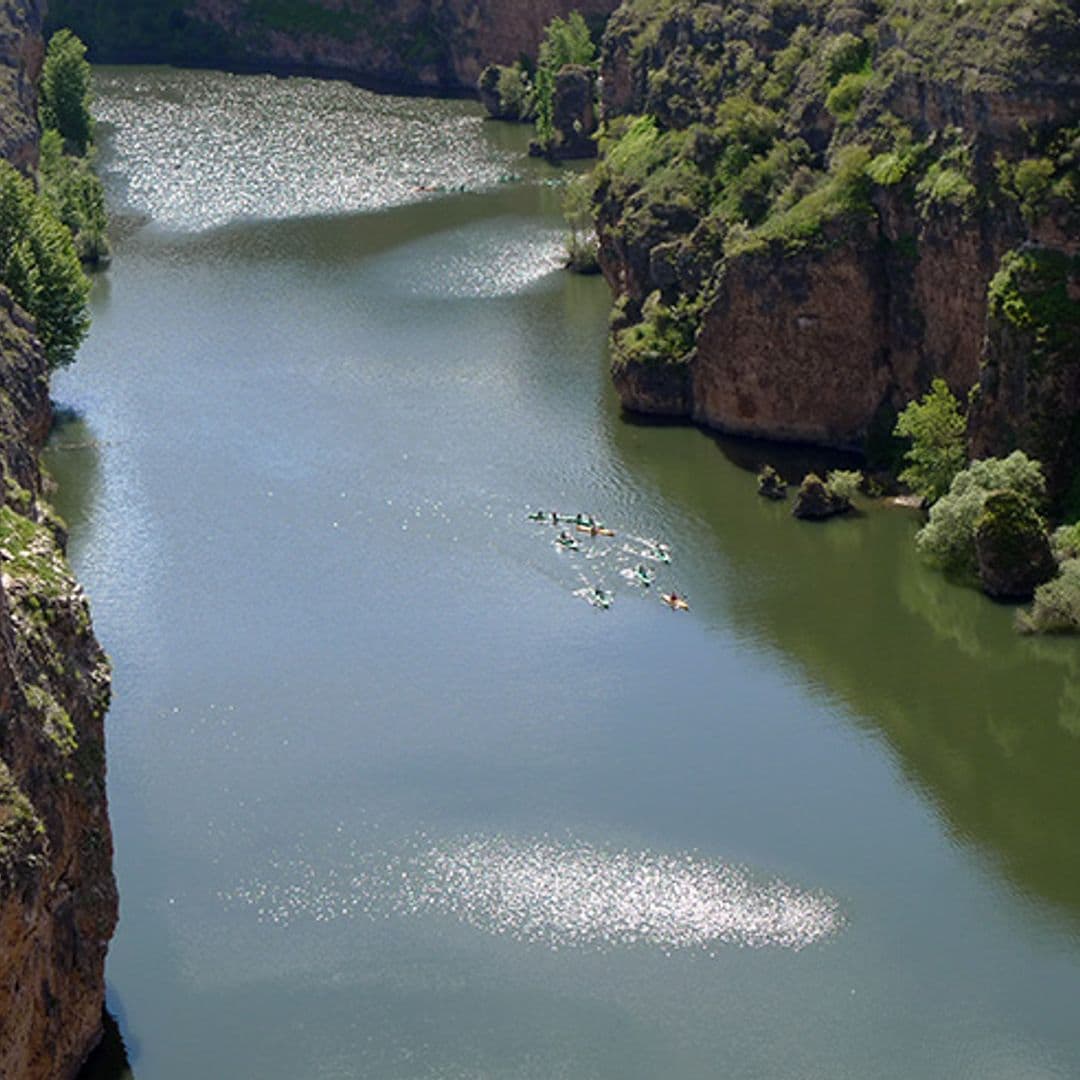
point(844, 98)
point(1031, 291)
point(74, 193)
point(665, 333)
point(566, 41)
point(1032, 182)
point(581, 242)
point(843, 484)
point(843, 191)
point(1056, 608)
point(1065, 542)
point(948, 538)
point(40, 266)
point(845, 54)
point(635, 153)
point(515, 90)
point(65, 91)
point(946, 181)
point(936, 429)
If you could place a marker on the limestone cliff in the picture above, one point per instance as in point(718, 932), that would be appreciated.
point(427, 45)
point(802, 206)
point(57, 894)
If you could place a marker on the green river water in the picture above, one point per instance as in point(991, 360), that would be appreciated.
point(390, 800)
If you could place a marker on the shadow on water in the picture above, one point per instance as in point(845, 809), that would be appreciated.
point(792, 460)
point(109, 1061)
point(73, 458)
point(983, 722)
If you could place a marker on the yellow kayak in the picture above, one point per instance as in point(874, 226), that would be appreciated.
point(676, 603)
point(596, 530)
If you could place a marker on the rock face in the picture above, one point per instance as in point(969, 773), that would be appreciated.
point(425, 45)
point(57, 894)
point(574, 110)
point(21, 54)
point(1012, 548)
point(823, 195)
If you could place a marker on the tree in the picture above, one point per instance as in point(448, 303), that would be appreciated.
point(936, 428)
point(39, 265)
point(65, 91)
point(948, 538)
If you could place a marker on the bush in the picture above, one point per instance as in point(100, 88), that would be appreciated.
point(65, 91)
point(843, 100)
point(1056, 608)
point(581, 242)
point(948, 538)
point(843, 483)
point(936, 429)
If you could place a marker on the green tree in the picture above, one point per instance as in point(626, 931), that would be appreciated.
point(566, 41)
point(935, 427)
point(65, 91)
point(75, 195)
point(39, 264)
point(948, 538)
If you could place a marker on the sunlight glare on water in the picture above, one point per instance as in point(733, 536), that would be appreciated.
point(204, 151)
point(562, 894)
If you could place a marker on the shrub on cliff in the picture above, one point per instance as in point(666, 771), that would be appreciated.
point(40, 266)
point(1056, 608)
point(581, 242)
point(65, 91)
point(948, 538)
point(844, 484)
point(936, 429)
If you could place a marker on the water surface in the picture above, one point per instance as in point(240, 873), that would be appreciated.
point(389, 799)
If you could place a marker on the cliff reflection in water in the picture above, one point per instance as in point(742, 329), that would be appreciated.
point(983, 722)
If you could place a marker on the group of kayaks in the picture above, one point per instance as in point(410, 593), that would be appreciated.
point(640, 575)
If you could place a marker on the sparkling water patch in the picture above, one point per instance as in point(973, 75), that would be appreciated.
point(562, 894)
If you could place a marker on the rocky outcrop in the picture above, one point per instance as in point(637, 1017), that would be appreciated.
point(57, 894)
point(417, 45)
point(574, 113)
point(815, 502)
point(21, 55)
point(821, 195)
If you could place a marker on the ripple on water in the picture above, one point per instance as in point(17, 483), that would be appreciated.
point(560, 894)
point(200, 150)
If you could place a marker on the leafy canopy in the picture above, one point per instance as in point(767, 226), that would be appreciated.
point(39, 264)
point(948, 538)
point(935, 427)
point(65, 91)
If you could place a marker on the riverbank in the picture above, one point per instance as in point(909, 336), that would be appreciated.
point(58, 903)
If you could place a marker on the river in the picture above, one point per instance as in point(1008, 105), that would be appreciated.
point(390, 798)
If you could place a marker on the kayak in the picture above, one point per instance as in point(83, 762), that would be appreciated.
point(596, 530)
point(600, 598)
point(676, 603)
point(639, 575)
point(569, 543)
